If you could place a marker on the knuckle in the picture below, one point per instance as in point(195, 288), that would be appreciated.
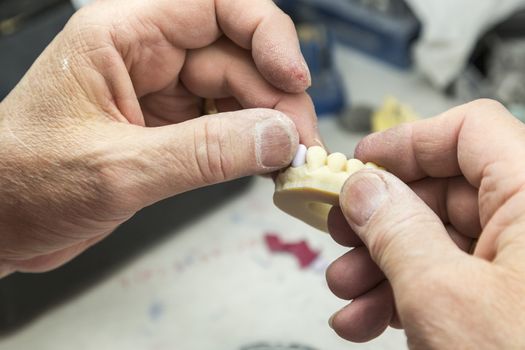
point(486, 109)
point(214, 165)
point(287, 19)
point(487, 103)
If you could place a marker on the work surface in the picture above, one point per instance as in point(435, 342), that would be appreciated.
point(214, 284)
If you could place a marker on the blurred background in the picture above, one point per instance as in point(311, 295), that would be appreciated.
point(196, 271)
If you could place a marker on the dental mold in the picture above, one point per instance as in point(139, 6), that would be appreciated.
point(311, 186)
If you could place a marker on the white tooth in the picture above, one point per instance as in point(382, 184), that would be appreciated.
point(337, 162)
point(300, 157)
point(354, 165)
point(316, 157)
point(370, 165)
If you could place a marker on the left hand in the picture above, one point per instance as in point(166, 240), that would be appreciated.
point(106, 121)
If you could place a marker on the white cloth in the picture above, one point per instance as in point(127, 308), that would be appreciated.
point(450, 31)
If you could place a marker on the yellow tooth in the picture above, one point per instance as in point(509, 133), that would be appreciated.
point(316, 157)
point(354, 165)
point(337, 162)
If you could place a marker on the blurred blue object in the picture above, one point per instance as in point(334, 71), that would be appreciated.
point(327, 90)
point(385, 29)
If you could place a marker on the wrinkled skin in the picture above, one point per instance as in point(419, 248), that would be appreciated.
point(454, 178)
point(105, 122)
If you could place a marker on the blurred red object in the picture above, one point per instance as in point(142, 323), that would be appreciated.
point(301, 250)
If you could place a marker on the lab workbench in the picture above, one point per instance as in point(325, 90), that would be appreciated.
point(213, 284)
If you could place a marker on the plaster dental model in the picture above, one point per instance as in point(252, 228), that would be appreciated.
point(310, 187)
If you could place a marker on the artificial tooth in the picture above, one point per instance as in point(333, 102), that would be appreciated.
point(371, 166)
point(337, 162)
point(316, 157)
point(300, 157)
point(354, 165)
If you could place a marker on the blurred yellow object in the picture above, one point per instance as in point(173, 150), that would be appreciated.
point(391, 114)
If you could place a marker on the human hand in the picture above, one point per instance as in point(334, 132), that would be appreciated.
point(466, 179)
point(105, 122)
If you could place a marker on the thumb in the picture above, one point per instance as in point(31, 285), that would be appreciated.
point(173, 159)
point(404, 236)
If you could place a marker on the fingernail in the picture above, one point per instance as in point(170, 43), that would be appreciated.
point(319, 141)
point(365, 193)
point(331, 320)
point(276, 140)
point(308, 74)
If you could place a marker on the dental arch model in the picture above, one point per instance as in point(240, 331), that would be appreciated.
point(310, 187)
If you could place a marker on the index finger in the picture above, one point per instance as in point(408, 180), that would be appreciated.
point(259, 26)
point(481, 141)
point(262, 27)
point(465, 140)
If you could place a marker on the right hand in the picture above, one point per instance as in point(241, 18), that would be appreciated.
point(465, 172)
